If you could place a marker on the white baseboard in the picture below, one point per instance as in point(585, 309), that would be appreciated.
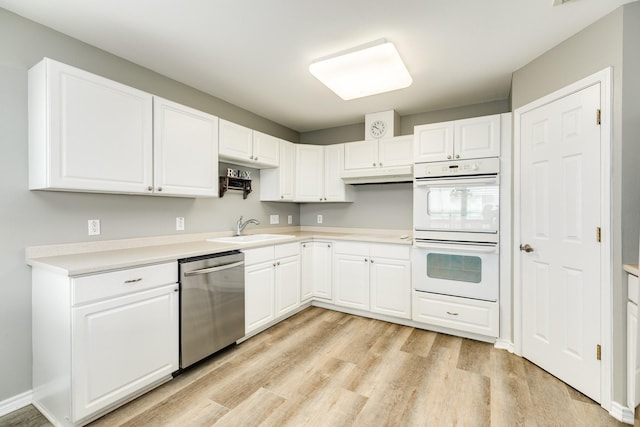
point(621, 413)
point(16, 402)
point(504, 344)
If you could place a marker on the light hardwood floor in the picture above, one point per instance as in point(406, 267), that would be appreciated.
point(325, 368)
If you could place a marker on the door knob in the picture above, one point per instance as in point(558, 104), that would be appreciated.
point(526, 248)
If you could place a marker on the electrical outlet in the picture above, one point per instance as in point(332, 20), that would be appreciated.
point(180, 223)
point(290, 219)
point(319, 219)
point(274, 219)
point(94, 227)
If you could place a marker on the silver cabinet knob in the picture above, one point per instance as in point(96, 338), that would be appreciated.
point(371, 261)
point(449, 157)
point(366, 260)
point(457, 156)
point(159, 188)
point(526, 248)
point(149, 188)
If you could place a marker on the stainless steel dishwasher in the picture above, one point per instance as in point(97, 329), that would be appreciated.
point(211, 304)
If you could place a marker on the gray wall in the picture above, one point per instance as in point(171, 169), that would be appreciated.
point(605, 43)
point(30, 218)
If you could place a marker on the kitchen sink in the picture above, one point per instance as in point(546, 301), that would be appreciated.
point(250, 238)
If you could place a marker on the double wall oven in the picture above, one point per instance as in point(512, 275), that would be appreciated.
point(456, 221)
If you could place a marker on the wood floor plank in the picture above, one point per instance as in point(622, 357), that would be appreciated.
point(325, 368)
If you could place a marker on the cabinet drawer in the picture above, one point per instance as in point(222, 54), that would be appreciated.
point(480, 317)
point(390, 251)
point(352, 248)
point(258, 255)
point(286, 250)
point(121, 282)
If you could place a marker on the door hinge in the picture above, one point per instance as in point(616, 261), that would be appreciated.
point(598, 352)
point(598, 116)
point(598, 234)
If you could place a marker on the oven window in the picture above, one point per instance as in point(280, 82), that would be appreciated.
point(475, 203)
point(459, 268)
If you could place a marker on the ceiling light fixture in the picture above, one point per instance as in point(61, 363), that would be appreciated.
point(363, 71)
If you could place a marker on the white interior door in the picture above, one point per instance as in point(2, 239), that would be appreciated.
point(560, 193)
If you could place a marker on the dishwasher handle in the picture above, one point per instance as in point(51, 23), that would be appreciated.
point(214, 269)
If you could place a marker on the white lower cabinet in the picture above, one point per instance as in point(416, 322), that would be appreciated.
point(317, 263)
point(373, 277)
point(633, 362)
point(102, 339)
point(463, 314)
point(272, 283)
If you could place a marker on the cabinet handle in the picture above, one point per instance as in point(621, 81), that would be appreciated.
point(255, 158)
point(457, 156)
point(278, 263)
point(133, 280)
point(328, 246)
point(380, 164)
point(282, 197)
point(304, 246)
point(325, 199)
point(374, 164)
point(176, 290)
point(452, 314)
point(371, 261)
point(274, 264)
point(365, 260)
point(251, 157)
point(449, 157)
point(320, 198)
point(159, 188)
point(149, 188)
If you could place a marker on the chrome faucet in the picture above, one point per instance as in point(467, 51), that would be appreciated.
point(241, 225)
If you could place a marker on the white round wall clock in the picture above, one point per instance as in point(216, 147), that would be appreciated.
point(378, 128)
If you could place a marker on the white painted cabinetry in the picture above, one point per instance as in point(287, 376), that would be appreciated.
point(185, 150)
point(318, 174)
point(367, 154)
point(88, 133)
point(633, 364)
point(316, 268)
point(244, 146)
point(272, 284)
point(373, 277)
point(277, 184)
point(476, 137)
point(102, 339)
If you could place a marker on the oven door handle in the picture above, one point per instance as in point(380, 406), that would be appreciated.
point(453, 247)
point(429, 182)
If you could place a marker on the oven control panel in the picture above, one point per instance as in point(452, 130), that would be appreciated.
point(489, 165)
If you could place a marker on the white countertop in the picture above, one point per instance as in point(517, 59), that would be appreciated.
point(87, 258)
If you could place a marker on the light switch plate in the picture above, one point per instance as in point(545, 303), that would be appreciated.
point(290, 219)
point(94, 227)
point(274, 219)
point(180, 223)
point(319, 219)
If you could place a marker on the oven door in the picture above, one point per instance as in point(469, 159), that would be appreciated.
point(469, 204)
point(461, 269)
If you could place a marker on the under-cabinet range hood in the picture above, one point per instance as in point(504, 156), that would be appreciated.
point(378, 175)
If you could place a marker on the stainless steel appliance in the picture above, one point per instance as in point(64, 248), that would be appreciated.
point(456, 228)
point(211, 304)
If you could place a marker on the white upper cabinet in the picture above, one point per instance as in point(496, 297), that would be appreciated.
point(477, 137)
point(276, 184)
point(396, 151)
point(318, 171)
point(243, 146)
point(185, 150)
point(87, 133)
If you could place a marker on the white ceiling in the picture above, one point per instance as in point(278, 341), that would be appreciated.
point(255, 53)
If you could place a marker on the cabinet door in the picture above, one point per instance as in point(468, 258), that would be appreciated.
point(396, 151)
point(391, 287)
point(122, 344)
point(335, 189)
point(287, 284)
point(351, 280)
point(477, 137)
point(259, 295)
point(361, 155)
point(276, 184)
point(87, 133)
point(633, 364)
point(323, 260)
point(185, 150)
point(309, 173)
point(235, 142)
point(266, 149)
point(307, 270)
point(433, 142)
